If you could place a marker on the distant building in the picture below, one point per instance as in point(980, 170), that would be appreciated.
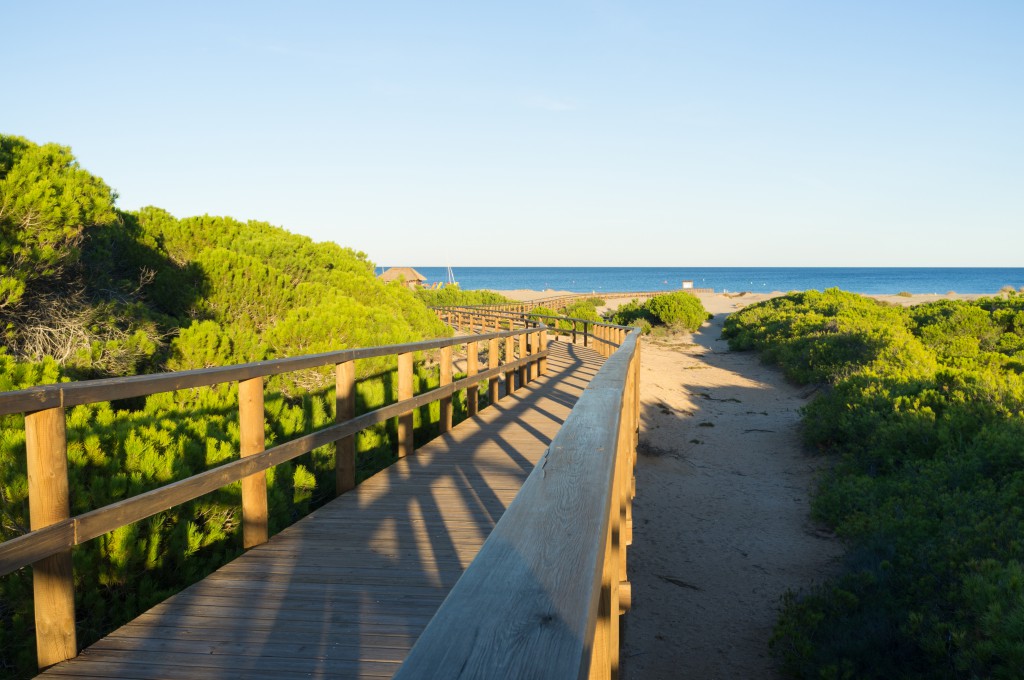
point(687, 285)
point(409, 277)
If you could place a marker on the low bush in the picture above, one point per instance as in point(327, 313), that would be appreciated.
point(581, 310)
point(631, 313)
point(924, 420)
point(453, 296)
point(678, 309)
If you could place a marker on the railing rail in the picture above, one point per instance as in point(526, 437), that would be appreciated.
point(605, 336)
point(47, 546)
point(543, 596)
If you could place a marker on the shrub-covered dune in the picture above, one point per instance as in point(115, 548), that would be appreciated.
point(925, 420)
point(89, 291)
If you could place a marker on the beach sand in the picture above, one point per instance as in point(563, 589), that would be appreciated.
point(719, 303)
point(722, 524)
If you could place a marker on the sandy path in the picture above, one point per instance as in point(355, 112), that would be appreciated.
point(721, 526)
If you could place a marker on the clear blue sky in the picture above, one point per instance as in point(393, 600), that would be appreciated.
point(676, 133)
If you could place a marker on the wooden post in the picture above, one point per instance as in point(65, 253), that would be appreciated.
point(472, 367)
point(574, 332)
point(53, 581)
point(604, 647)
point(253, 439)
point(405, 429)
point(543, 348)
point(446, 379)
point(535, 348)
point(636, 394)
point(510, 379)
point(523, 371)
point(624, 474)
point(586, 333)
point(344, 409)
point(493, 361)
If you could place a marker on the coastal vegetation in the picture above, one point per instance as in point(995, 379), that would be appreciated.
point(923, 417)
point(679, 309)
point(453, 296)
point(90, 291)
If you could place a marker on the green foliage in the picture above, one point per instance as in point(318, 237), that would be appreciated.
point(453, 296)
point(555, 323)
point(581, 310)
point(924, 417)
point(87, 291)
point(46, 203)
point(634, 313)
point(678, 309)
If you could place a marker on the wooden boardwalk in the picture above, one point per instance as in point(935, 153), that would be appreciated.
point(346, 591)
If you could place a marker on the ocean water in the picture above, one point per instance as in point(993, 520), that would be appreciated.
point(869, 280)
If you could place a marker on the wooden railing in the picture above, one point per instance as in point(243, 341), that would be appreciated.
point(47, 546)
point(544, 595)
point(542, 598)
point(605, 337)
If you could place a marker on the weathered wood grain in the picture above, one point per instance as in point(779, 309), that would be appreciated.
point(252, 440)
point(49, 503)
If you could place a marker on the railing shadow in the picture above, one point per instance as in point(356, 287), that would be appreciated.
point(346, 591)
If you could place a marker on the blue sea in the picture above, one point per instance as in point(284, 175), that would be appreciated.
point(869, 280)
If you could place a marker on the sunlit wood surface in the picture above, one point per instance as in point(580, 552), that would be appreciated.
point(346, 591)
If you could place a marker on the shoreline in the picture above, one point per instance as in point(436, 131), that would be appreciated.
point(717, 303)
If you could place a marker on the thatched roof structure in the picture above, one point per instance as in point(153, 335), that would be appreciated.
point(408, 275)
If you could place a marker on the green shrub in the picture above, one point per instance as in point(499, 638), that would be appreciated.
point(924, 421)
point(581, 310)
point(554, 324)
point(143, 292)
point(632, 313)
point(678, 309)
point(453, 296)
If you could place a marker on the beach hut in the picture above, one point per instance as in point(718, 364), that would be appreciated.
point(409, 277)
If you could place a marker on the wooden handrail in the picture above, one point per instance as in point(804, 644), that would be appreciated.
point(48, 546)
point(543, 596)
point(606, 336)
point(111, 389)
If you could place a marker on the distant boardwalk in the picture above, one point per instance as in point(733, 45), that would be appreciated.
point(346, 591)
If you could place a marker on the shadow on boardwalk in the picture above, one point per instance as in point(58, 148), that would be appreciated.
point(346, 591)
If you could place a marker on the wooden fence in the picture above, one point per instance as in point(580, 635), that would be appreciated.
point(47, 546)
point(543, 597)
point(605, 337)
